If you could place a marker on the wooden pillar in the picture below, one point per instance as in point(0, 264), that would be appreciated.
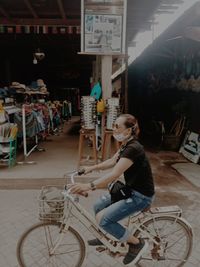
point(7, 71)
point(98, 69)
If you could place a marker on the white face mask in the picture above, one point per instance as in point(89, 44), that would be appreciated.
point(120, 137)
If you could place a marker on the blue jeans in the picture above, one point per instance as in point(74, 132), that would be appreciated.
point(118, 211)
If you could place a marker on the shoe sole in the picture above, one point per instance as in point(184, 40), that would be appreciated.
point(95, 244)
point(139, 255)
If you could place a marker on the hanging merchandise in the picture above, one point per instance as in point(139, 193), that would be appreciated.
point(39, 29)
point(113, 111)
point(8, 141)
point(96, 91)
point(100, 106)
point(3, 118)
point(88, 112)
point(66, 110)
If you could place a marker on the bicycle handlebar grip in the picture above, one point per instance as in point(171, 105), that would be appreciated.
point(85, 194)
point(81, 171)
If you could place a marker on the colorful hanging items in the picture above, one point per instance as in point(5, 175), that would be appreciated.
point(96, 91)
point(100, 106)
point(40, 29)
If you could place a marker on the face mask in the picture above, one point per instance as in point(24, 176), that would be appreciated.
point(120, 137)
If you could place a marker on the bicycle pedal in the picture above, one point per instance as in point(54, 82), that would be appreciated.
point(121, 254)
point(112, 254)
point(100, 249)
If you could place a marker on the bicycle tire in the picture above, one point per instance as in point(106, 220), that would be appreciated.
point(34, 245)
point(177, 240)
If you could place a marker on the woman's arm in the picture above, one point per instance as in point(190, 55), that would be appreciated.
point(109, 163)
point(121, 166)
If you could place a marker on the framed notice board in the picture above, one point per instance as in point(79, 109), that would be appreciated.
point(103, 26)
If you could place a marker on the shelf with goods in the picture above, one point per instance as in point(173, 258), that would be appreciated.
point(16, 93)
point(8, 144)
point(31, 97)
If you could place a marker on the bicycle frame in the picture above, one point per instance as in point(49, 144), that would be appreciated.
point(168, 236)
point(135, 222)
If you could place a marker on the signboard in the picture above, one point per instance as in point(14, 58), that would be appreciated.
point(103, 26)
point(191, 146)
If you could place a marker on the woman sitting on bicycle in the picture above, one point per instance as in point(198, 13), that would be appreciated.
point(132, 162)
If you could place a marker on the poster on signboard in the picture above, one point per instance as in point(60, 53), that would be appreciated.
point(190, 147)
point(103, 33)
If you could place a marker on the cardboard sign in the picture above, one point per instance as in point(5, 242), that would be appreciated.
point(190, 147)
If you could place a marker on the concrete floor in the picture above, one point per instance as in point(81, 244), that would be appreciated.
point(60, 153)
point(20, 207)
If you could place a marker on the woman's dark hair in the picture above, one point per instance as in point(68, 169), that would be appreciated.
point(131, 122)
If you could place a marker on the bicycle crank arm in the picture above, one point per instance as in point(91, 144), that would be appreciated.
point(101, 249)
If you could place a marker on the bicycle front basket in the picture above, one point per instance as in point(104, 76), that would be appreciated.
point(51, 204)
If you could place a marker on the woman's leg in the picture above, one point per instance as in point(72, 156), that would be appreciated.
point(120, 210)
point(103, 202)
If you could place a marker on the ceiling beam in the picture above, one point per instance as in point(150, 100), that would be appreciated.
point(161, 55)
point(30, 8)
point(173, 2)
point(47, 22)
point(4, 13)
point(61, 8)
point(168, 7)
point(161, 11)
point(109, 4)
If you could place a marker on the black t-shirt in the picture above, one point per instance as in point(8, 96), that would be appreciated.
point(139, 175)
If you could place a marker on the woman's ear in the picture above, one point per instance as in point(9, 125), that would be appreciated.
point(130, 131)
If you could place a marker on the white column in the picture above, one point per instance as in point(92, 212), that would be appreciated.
point(106, 72)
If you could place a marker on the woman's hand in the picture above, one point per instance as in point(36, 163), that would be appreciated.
point(79, 188)
point(88, 169)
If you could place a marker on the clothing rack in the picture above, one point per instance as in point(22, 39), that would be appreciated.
point(26, 154)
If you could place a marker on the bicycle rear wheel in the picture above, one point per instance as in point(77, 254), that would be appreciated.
point(35, 244)
point(175, 242)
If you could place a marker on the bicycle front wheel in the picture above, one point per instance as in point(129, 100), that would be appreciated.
point(35, 247)
point(174, 238)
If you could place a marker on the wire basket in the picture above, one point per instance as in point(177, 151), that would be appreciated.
point(51, 204)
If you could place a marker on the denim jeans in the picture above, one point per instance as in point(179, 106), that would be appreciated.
point(118, 211)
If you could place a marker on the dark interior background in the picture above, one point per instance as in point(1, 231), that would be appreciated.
point(62, 66)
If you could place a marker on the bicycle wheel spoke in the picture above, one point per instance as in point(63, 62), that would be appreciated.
point(177, 259)
point(53, 263)
point(71, 251)
point(47, 233)
point(175, 242)
point(43, 245)
point(173, 245)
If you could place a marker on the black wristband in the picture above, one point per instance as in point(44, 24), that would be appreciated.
point(92, 186)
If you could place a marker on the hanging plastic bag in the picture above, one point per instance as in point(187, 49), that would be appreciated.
point(100, 106)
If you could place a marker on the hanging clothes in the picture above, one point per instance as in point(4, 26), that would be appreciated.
point(65, 110)
point(32, 128)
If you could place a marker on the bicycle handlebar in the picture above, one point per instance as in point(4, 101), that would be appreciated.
point(79, 172)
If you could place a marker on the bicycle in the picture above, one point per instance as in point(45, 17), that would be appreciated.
point(55, 242)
